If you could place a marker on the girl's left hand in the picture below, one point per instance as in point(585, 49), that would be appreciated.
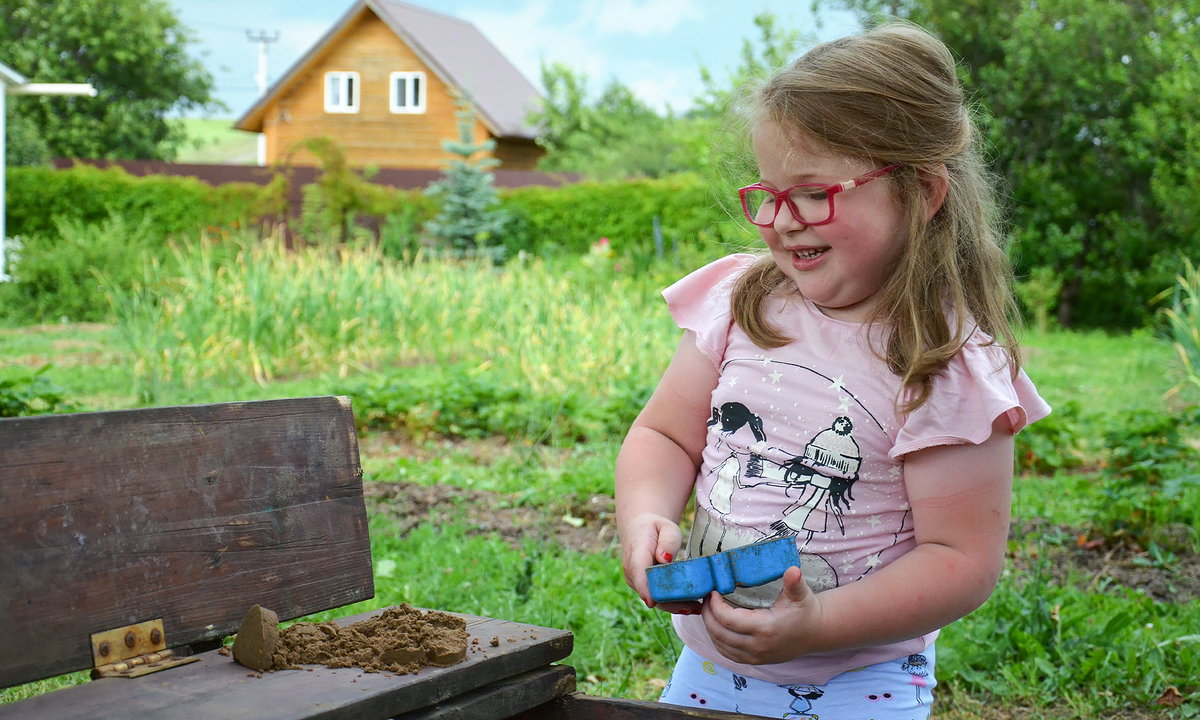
point(766, 635)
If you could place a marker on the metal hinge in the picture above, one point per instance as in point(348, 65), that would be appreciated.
point(134, 650)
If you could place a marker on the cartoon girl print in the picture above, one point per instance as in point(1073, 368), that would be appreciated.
point(823, 475)
point(917, 666)
point(733, 416)
point(802, 695)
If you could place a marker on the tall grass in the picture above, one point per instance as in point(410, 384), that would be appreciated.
point(253, 310)
point(1183, 324)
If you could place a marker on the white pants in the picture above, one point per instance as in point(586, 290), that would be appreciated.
point(899, 689)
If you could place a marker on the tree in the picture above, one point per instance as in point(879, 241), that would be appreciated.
point(1064, 88)
point(468, 220)
point(134, 52)
point(614, 136)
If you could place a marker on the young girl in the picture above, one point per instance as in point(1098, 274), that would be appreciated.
point(856, 388)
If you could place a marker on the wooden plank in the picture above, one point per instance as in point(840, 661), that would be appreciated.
point(216, 687)
point(503, 699)
point(189, 514)
point(578, 706)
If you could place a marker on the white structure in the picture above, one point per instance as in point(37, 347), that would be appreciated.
point(261, 78)
point(13, 83)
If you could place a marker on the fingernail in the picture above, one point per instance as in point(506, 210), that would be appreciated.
point(646, 601)
point(667, 557)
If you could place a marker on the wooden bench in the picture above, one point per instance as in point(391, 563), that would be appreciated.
point(186, 517)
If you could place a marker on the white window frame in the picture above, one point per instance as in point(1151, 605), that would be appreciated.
point(408, 78)
point(344, 79)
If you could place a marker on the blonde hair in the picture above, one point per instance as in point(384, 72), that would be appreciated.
point(892, 95)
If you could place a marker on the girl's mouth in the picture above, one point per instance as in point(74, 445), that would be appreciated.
point(809, 253)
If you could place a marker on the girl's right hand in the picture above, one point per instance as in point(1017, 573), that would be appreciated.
point(648, 540)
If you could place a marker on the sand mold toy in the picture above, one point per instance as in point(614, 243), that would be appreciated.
point(746, 566)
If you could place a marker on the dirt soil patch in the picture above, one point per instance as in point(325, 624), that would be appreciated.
point(1099, 566)
point(589, 526)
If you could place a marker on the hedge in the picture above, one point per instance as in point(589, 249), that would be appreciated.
point(569, 218)
point(38, 197)
point(573, 217)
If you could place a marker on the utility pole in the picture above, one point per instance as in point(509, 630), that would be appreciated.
point(263, 39)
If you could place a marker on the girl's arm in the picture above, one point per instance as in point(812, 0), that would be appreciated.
point(657, 465)
point(960, 497)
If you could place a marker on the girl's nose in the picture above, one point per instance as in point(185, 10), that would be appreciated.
point(786, 223)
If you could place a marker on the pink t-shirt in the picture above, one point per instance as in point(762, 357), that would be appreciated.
point(804, 441)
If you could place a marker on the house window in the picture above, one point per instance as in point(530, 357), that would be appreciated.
point(341, 92)
point(408, 92)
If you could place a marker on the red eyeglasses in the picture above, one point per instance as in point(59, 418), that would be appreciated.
point(810, 203)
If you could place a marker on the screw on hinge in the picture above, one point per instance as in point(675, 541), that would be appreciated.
point(105, 649)
point(155, 636)
point(130, 639)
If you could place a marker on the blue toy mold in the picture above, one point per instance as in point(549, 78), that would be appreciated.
point(746, 566)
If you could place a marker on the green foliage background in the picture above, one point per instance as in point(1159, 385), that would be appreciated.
point(134, 52)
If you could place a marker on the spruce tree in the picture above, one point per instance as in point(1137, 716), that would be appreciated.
point(468, 221)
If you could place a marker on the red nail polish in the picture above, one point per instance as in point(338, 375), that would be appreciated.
point(646, 601)
point(667, 557)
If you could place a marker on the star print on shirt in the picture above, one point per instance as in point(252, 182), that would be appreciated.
point(895, 470)
point(844, 404)
point(838, 384)
point(873, 561)
point(874, 521)
point(847, 567)
point(775, 377)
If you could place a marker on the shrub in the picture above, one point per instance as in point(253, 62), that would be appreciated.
point(572, 217)
point(32, 394)
point(1052, 443)
point(39, 197)
point(63, 274)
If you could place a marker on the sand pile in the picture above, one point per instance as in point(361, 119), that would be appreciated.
point(399, 640)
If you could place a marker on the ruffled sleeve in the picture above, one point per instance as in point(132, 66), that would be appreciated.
point(975, 389)
point(700, 302)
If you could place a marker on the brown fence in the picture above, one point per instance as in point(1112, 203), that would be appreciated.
point(403, 178)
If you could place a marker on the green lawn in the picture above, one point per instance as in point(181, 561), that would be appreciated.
point(1040, 644)
point(213, 140)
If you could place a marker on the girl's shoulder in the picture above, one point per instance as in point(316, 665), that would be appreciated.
point(699, 302)
point(976, 388)
point(717, 276)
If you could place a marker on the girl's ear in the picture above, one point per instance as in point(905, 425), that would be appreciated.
point(935, 182)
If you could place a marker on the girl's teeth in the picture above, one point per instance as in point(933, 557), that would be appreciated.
point(808, 254)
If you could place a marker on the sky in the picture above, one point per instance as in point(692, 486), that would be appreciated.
point(655, 47)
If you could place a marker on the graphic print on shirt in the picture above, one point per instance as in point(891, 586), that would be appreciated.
point(822, 478)
point(810, 478)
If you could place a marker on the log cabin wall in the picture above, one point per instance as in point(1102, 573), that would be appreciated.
point(375, 135)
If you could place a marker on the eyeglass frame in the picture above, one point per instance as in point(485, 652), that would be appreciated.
point(830, 191)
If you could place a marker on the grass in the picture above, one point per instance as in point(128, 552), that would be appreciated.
point(551, 353)
point(213, 140)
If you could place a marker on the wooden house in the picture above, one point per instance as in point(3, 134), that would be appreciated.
point(381, 83)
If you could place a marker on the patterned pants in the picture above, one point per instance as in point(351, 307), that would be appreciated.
point(900, 689)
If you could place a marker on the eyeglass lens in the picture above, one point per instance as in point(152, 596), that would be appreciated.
point(813, 204)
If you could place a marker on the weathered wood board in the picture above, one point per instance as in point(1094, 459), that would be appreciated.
point(503, 699)
point(189, 514)
point(578, 706)
point(217, 687)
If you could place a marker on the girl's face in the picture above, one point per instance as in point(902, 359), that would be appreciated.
point(841, 265)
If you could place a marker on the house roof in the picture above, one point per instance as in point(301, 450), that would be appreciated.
point(451, 48)
point(8, 76)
